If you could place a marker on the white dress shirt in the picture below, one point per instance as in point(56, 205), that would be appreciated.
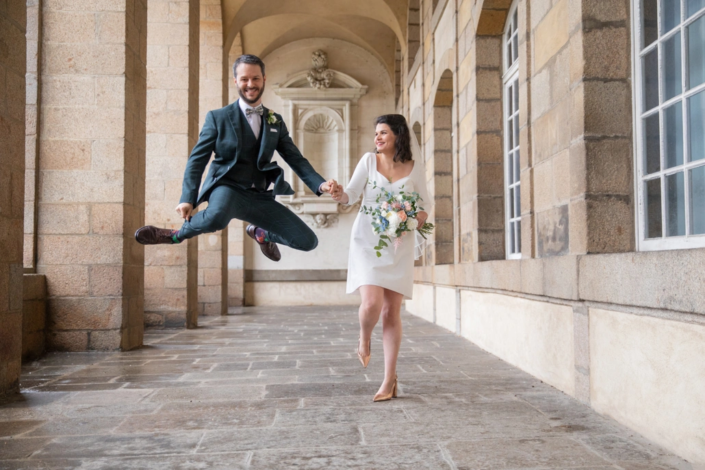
point(254, 119)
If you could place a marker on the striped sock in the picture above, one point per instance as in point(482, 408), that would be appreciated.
point(175, 236)
point(261, 235)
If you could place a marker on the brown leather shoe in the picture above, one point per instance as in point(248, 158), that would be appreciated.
point(269, 249)
point(150, 235)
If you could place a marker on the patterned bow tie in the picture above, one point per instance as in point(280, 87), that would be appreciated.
point(258, 110)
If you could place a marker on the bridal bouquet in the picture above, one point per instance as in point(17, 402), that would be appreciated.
point(395, 216)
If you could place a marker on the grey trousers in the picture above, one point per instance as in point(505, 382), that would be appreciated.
point(253, 206)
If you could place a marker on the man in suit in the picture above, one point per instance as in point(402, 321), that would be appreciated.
point(243, 137)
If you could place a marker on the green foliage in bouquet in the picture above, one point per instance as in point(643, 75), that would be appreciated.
point(394, 216)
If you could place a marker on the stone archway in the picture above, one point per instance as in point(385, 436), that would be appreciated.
point(443, 170)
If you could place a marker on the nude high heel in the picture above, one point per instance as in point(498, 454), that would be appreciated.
point(392, 394)
point(364, 360)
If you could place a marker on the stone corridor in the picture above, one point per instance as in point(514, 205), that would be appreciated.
point(279, 388)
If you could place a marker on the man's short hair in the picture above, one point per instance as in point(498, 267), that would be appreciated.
point(248, 59)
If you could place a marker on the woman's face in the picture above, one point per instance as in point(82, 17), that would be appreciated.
point(384, 139)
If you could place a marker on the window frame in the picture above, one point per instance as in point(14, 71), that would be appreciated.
point(510, 78)
point(638, 52)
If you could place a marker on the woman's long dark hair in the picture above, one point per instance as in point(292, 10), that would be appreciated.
point(397, 124)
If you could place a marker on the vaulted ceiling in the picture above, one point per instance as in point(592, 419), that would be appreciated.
point(265, 25)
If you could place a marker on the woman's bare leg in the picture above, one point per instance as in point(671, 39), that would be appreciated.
point(391, 337)
point(370, 309)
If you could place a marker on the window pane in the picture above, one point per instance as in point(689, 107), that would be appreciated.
point(517, 201)
point(515, 47)
point(517, 175)
point(696, 120)
point(511, 203)
point(670, 14)
point(673, 126)
point(649, 24)
point(516, 130)
point(652, 139)
point(653, 209)
point(509, 53)
point(694, 6)
point(696, 53)
point(675, 204)
point(510, 169)
point(512, 248)
point(510, 133)
point(651, 80)
point(697, 201)
point(518, 233)
point(672, 67)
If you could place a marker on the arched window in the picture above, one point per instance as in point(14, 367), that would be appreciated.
point(669, 42)
point(512, 187)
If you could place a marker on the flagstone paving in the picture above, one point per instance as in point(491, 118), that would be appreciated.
point(279, 388)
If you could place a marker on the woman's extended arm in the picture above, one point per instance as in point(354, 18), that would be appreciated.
point(357, 183)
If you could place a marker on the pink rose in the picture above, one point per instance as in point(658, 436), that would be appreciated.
point(385, 206)
point(407, 205)
point(402, 216)
point(396, 205)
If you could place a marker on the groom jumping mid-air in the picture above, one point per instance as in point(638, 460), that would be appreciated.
point(243, 137)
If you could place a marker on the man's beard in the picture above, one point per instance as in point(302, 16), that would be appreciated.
point(249, 101)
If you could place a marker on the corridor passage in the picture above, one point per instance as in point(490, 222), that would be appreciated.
point(280, 388)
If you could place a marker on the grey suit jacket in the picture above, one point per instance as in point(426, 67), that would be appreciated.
point(220, 136)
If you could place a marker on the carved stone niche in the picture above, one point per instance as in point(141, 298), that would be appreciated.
point(323, 124)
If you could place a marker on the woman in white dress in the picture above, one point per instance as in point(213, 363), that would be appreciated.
point(383, 282)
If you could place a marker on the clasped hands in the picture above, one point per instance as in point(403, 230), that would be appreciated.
point(335, 190)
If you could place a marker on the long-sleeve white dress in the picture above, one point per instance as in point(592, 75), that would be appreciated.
point(394, 270)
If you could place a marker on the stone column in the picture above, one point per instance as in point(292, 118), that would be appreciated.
point(212, 249)
point(172, 131)
point(236, 263)
point(91, 181)
point(32, 138)
point(236, 228)
point(13, 22)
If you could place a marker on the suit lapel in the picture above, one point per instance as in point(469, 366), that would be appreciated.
point(234, 115)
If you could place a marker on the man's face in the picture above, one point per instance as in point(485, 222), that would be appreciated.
point(250, 83)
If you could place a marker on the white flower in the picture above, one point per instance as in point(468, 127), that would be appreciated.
point(412, 223)
point(394, 220)
point(392, 232)
point(399, 197)
point(271, 118)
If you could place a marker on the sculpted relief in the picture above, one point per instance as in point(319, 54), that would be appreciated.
point(320, 76)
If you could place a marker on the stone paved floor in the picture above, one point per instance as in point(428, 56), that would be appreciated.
point(282, 388)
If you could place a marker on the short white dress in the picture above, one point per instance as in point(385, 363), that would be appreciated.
point(394, 270)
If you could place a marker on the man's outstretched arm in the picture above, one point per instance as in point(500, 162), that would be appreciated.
point(197, 161)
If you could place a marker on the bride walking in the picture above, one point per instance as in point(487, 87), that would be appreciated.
point(384, 281)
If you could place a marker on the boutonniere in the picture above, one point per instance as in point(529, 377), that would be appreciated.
point(271, 118)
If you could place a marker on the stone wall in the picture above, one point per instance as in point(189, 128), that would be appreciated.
point(13, 21)
point(580, 309)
